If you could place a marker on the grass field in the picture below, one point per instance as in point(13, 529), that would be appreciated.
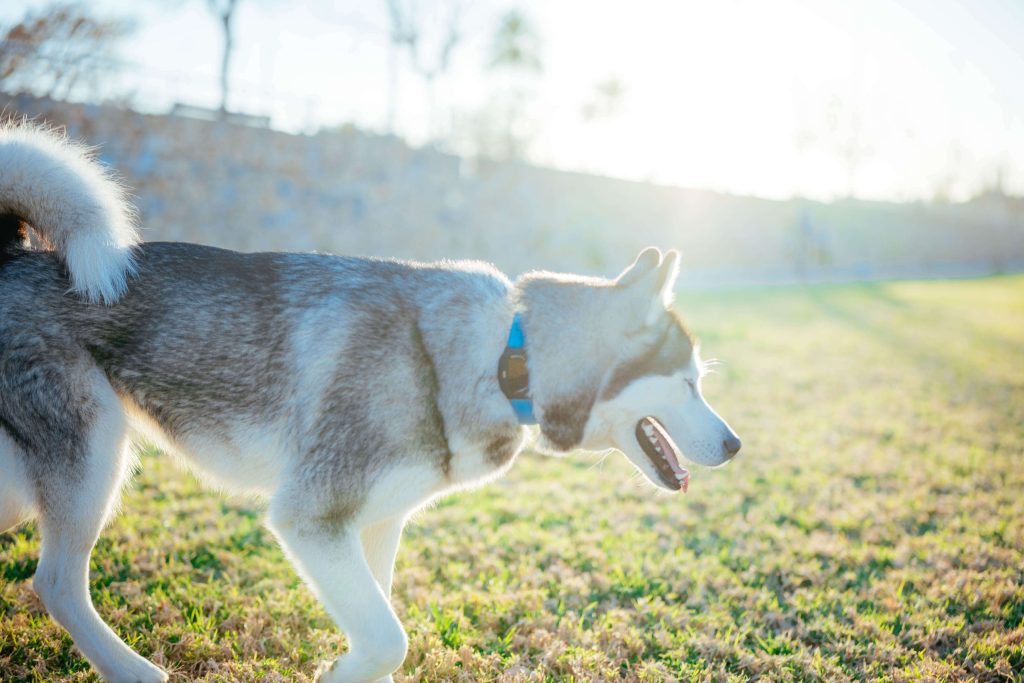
point(871, 529)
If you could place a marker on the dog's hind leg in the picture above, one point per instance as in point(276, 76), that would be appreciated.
point(330, 555)
point(16, 505)
point(76, 495)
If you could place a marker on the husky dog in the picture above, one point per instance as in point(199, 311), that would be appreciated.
point(346, 392)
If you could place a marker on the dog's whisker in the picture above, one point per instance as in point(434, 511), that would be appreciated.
point(601, 457)
point(708, 366)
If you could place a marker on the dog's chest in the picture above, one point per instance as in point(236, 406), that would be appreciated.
point(405, 488)
point(483, 456)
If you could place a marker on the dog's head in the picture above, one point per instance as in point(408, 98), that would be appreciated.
point(646, 400)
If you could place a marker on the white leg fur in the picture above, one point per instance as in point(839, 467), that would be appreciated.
point(70, 521)
point(336, 568)
point(62, 583)
point(380, 543)
point(15, 504)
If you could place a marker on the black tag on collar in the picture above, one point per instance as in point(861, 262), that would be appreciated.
point(513, 376)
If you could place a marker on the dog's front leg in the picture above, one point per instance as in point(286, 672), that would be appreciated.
point(334, 564)
point(380, 543)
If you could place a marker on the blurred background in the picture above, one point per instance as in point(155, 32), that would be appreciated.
point(771, 142)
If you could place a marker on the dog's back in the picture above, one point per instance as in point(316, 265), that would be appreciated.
point(210, 346)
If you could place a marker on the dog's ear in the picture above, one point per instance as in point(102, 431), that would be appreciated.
point(646, 262)
point(668, 273)
point(653, 276)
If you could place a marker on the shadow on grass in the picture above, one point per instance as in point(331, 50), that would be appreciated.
point(896, 333)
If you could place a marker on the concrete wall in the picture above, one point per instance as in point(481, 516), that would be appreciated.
point(349, 192)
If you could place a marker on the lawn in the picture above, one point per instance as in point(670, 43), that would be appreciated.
point(871, 529)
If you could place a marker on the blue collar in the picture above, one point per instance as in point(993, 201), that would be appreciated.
point(513, 374)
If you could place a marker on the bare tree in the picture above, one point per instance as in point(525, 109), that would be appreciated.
point(52, 51)
point(400, 35)
point(409, 32)
point(224, 10)
point(502, 128)
point(846, 121)
point(606, 99)
point(516, 44)
point(835, 126)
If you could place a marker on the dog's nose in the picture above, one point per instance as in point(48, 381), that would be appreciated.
point(732, 445)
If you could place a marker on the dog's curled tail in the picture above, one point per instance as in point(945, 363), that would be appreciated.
point(74, 205)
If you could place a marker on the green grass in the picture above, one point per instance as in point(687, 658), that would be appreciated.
point(871, 529)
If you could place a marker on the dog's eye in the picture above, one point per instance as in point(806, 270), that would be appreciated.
point(693, 386)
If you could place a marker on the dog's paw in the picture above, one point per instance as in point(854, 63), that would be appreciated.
point(323, 672)
point(139, 671)
point(327, 673)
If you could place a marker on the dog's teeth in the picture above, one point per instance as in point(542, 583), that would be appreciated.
point(680, 475)
point(648, 429)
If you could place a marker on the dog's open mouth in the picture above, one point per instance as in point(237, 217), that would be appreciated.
point(661, 451)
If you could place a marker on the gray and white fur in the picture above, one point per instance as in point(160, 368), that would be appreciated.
point(346, 392)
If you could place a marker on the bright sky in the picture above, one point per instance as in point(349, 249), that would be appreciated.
point(892, 99)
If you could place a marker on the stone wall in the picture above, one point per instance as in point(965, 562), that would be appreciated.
point(349, 192)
